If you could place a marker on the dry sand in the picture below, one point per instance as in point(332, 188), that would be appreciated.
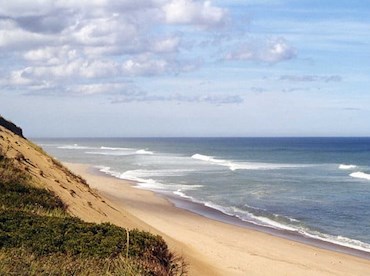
point(215, 248)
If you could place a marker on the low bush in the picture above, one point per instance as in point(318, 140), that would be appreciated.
point(22, 196)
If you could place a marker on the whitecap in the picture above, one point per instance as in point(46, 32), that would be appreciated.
point(232, 165)
point(74, 147)
point(111, 148)
point(361, 175)
point(147, 183)
point(347, 167)
point(144, 152)
point(110, 153)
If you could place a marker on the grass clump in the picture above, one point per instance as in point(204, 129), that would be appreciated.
point(16, 192)
point(22, 262)
point(26, 197)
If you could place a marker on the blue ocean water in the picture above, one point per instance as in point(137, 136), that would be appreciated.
point(317, 187)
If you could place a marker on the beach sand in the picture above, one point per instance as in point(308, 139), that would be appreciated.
point(211, 247)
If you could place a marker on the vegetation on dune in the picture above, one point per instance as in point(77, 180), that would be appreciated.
point(22, 262)
point(38, 237)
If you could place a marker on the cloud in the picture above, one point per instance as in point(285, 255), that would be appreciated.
point(201, 13)
point(126, 89)
point(75, 69)
point(311, 78)
point(145, 65)
point(352, 109)
point(270, 51)
point(58, 43)
point(51, 55)
point(178, 98)
point(13, 38)
point(166, 45)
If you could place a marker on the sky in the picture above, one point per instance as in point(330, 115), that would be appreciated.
point(167, 68)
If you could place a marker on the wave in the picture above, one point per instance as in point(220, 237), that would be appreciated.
point(74, 147)
point(121, 152)
point(252, 215)
point(347, 167)
point(361, 175)
point(148, 183)
point(279, 222)
point(243, 165)
point(110, 153)
point(110, 148)
point(155, 173)
point(143, 151)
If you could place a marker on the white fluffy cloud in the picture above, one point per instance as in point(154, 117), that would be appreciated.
point(201, 13)
point(94, 46)
point(69, 42)
point(271, 51)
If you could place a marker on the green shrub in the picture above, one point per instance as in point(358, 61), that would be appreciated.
point(43, 236)
point(21, 196)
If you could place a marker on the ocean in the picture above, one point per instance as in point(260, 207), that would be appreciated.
point(318, 188)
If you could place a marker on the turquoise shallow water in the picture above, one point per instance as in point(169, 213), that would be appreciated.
point(317, 187)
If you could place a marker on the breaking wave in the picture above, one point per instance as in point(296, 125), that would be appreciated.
point(361, 175)
point(75, 147)
point(279, 222)
point(347, 167)
point(120, 152)
point(143, 151)
point(141, 177)
point(243, 165)
point(110, 148)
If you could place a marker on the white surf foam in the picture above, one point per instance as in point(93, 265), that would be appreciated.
point(339, 240)
point(142, 177)
point(148, 183)
point(155, 173)
point(232, 165)
point(361, 175)
point(267, 222)
point(249, 217)
point(110, 148)
point(143, 151)
point(120, 152)
point(183, 195)
point(74, 147)
point(347, 167)
point(110, 153)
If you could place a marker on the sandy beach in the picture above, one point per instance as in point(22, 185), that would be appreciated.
point(212, 247)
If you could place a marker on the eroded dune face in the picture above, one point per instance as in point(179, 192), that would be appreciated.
point(49, 173)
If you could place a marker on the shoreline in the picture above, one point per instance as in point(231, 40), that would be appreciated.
point(217, 215)
point(208, 212)
point(230, 249)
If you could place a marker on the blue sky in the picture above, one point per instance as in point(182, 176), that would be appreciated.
point(186, 67)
